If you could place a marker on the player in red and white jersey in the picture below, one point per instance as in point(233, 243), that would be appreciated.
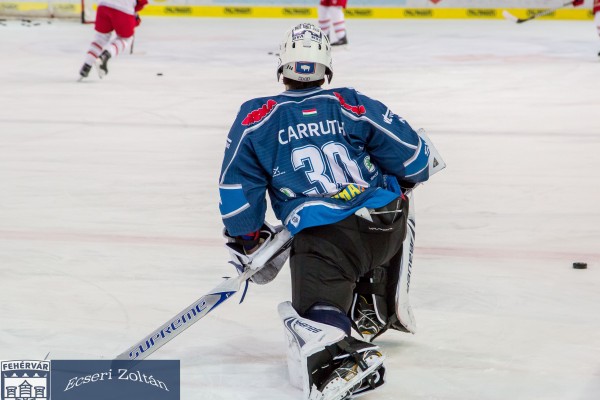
point(597, 16)
point(120, 16)
point(332, 22)
point(596, 11)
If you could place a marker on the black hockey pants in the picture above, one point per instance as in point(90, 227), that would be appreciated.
point(326, 261)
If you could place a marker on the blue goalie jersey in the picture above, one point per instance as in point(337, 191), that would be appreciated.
point(321, 155)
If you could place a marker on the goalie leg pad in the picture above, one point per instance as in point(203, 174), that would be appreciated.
point(324, 362)
point(330, 315)
point(404, 319)
point(305, 338)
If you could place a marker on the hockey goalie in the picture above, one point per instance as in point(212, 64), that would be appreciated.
point(340, 169)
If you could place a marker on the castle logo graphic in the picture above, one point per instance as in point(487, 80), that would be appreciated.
point(25, 380)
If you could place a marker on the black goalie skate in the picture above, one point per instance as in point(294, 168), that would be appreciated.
point(367, 322)
point(360, 371)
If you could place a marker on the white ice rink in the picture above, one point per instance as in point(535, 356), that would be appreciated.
point(109, 220)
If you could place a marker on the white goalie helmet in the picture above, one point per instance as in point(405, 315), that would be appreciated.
point(305, 54)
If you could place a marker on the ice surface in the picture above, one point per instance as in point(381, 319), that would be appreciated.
point(109, 219)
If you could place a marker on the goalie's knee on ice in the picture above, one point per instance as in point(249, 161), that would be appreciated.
point(304, 338)
point(317, 352)
point(330, 315)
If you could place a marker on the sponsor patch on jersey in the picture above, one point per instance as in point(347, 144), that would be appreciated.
point(260, 113)
point(288, 192)
point(368, 164)
point(295, 220)
point(309, 112)
point(349, 192)
point(356, 109)
point(306, 68)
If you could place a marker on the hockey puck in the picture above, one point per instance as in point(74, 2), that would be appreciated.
point(159, 74)
point(580, 265)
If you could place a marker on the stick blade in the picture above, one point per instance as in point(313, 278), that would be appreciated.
point(508, 16)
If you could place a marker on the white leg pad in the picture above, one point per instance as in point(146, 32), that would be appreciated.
point(304, 338)
point(403, 308)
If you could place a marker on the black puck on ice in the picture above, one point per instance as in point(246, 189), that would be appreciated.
point(580, 265)
point(159, 74)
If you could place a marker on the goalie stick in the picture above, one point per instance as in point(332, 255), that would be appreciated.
point(205, 304)
point(513, 18)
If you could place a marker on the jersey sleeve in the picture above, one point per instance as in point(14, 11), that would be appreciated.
point(140, 4)
point(390, 141)
point(243, 183)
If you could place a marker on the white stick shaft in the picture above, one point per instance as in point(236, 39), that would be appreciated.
point(205, 304)
point(184, 319)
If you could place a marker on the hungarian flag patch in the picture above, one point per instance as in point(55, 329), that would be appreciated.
point(309, 112)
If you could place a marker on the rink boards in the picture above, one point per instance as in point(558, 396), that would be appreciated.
point(171, 9)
